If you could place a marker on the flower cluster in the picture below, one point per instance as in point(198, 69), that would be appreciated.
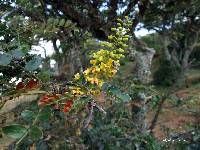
point(104, 64)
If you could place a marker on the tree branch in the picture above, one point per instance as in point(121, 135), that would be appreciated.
point(112, 13)
point(130, 6)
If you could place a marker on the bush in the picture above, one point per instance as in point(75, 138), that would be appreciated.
point(115, 130)
point(166, 75)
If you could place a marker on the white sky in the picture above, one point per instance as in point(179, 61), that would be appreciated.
point(40, 49)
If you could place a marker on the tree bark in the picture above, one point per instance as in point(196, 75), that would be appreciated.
point(74, 61)
point(143, 64)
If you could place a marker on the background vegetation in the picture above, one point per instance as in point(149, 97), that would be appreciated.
point(148, 101)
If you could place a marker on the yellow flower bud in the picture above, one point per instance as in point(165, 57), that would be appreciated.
point(77, 76)
point(113, 29)
point(125, 39)
point(120, 28)
point(110, 37)
point(100, 58)
point(119, 24)
point(93, 61)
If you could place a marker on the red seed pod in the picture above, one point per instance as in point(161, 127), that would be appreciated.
point(68, 106)
point(43, 100)
point(20, 86)
point(46, 99)
point(32, 84)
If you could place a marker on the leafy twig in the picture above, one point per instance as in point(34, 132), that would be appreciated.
point(26, 133)
point(92, 105)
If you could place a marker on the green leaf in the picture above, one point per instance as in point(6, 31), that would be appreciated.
point(81, 102)
point(28, 115)
point(35, 133)
point(50, 21)
point(67, 24)
point(119, 94)
point(24, 48)
point(44, 76)
point(114, 91)
point(17, 53)
point(41, 145)
point(45, 114)
point(5, 59)
point(14, 131)
point(34, 63)
point(56, 22)
point(125, 97)
point(62, 22)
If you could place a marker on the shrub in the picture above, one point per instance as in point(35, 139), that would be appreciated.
point(166, 74)
point(116, 131)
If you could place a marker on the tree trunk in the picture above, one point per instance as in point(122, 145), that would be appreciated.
point(74, 61)
point(143, 64)
point(139, 113)
point(70, 62)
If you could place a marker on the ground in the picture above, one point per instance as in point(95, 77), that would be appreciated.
point(181, 111)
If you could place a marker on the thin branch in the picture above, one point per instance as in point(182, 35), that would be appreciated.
point(91, 106)
point(112, 13)
point(159, 108)
point(91, 110)
point(130, 6)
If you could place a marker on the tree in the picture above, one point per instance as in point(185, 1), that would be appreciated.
point(31, 29)
point(96, 17)
point(178, 28)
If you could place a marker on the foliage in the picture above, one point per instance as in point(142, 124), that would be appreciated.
point(179, 30)
point(152, 40)
point(15, 61)
point(166, 74)
point(104, 65)
point(15, 131)
point(73, 24)
point(117, 131)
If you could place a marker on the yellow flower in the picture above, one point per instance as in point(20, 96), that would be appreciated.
point(87, 71)
point(94, 81)
point(110, 62)
point(77, 76)
point(93, 70)
point(93, 61)
point(93, 92)
point(105, 63)
point(114, 72)
point(100, 83)
point(98, 69)
point(121, 50)
point(77, 91)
